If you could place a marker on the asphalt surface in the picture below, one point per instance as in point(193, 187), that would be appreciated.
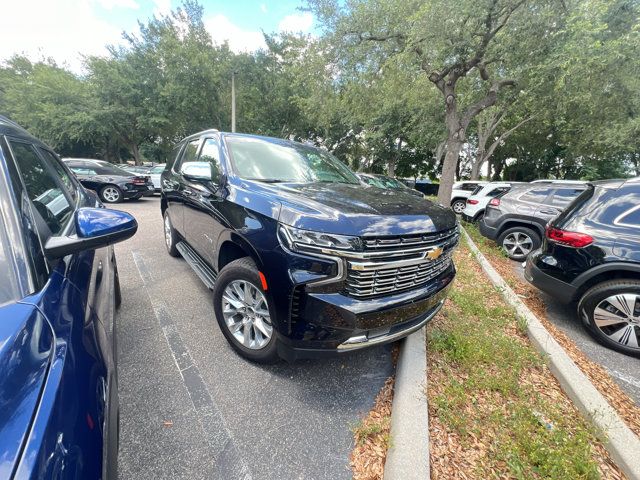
point(191, 408)
point(625, 370)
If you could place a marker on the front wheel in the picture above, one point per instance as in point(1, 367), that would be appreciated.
point(243, 312)
point(611, 313)
point(519, 242)
point(110, 194)
point(458, 206)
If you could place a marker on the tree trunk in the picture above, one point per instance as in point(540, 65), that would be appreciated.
point(476, 168)
point(136, 154)
point(448, 171)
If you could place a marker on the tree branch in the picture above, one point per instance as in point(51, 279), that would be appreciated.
point(489, 100)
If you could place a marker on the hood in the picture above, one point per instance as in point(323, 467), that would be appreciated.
point(358, 210)
point(25, 351)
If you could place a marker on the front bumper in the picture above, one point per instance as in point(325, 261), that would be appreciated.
point(561, 291)
point(333, 323)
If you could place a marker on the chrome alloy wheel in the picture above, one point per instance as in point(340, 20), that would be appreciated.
point(111, 194)
point(618, 317)
point(167, 231)
point(518, 244)
point(458, 206)
point(246, 314)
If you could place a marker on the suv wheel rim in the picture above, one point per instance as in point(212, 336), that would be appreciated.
point(618, 317)
point(167, 231)
point(458, 207)
point(111, 194)
point(518, 244)
point(246, 314)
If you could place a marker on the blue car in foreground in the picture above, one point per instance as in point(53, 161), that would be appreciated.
point(58, 292)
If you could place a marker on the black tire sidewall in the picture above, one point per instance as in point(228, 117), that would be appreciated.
point(110, 186)
point(534, 236)
point(173, 251)
point(590, 301)
point(244, 269)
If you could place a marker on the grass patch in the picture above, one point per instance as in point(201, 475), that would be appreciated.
point(492, 392)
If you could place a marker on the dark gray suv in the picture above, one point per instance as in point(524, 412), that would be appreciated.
point(517, 220)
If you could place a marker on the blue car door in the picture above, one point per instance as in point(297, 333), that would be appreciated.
point(75, 428)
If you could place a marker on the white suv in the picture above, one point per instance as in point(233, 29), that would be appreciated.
point(480, 198)
point(461, 191)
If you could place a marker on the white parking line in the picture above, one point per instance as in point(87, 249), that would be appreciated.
point(230, 464)
point(625, 378)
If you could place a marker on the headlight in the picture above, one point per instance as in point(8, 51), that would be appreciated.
point(306, 240)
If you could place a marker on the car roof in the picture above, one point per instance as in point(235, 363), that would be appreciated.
point(9, 127)
point(92, 160)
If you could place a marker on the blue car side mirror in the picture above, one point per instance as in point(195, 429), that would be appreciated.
point(95, 228)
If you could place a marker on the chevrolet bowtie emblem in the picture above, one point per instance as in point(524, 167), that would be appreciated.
point(435, 253)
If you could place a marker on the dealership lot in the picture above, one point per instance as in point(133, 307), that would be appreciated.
point(192, 408)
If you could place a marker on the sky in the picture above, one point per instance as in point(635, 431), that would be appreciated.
point(65, 29)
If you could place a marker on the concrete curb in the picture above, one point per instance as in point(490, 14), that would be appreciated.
point(408, 456)
point(621, 443)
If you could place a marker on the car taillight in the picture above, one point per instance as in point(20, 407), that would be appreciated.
point(571, 239)
point(495, 202)
point(472, 202)
point(139, 180)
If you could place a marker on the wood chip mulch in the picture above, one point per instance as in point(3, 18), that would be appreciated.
point(628, 410)
point(372, 437)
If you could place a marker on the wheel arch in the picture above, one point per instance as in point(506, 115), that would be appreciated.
point(511, 223)
point(232, 246)
point(603, 273)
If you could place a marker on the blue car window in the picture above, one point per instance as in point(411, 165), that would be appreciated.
point(47, 196)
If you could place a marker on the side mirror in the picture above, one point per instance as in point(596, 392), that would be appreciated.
point(95, 228)
point(199, 171)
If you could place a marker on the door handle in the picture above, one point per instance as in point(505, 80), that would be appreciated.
point(550, 212)
point(189, 193)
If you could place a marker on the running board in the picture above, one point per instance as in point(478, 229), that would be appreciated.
point(206, 274)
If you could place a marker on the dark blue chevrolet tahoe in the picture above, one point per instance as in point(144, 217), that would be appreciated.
point(58, 291)
point(303, 259)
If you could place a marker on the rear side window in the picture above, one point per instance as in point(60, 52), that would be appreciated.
point(630, 218)
point(45, 192)
point(469, 187)
point(477, 190)
point(562, 197)
point(497, 191)
point(536, 195)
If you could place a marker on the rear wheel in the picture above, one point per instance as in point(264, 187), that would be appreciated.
point(170, 236)
point(110, 194)
point(519, 242)
point(611, 313)
point(243, 312)
point(458, 205)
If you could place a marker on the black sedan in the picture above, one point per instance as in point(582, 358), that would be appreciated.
point(113, 184)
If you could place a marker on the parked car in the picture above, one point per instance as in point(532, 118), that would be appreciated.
point(113, 184)
point(480, 198)
point(591, 256)
point(302, 259)
point(137, 169)
point(382, 181)
point(155, 173)
point(58, 379)
point(460, 192)
point(517, 219)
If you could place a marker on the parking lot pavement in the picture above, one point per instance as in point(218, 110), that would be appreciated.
point(625, 370)
point(191, 408)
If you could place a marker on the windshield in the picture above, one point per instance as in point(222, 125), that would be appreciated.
point(256, 159)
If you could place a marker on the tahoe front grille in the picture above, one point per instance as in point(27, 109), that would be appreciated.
point(394, 264)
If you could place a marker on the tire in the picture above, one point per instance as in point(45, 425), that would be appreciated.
point(458, 205)
point(596, 311)
point(519, 242)
point(171, 237)
point(259, 342)
point(110, 194)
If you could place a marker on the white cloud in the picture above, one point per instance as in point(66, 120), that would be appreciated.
point(263, 7)
point(163, 8)
point(111, 4)
point(60, 30)
point(297, 22)
point(221, 29)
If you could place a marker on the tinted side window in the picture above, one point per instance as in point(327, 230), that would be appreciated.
point(83, 170)
point(190, 153)
point(469, 187)
point(47, 198)
point(62, 173)
point(536, 195)
point(211, 153)
point(497, 191)
point(564, 196)
point(630, 218)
